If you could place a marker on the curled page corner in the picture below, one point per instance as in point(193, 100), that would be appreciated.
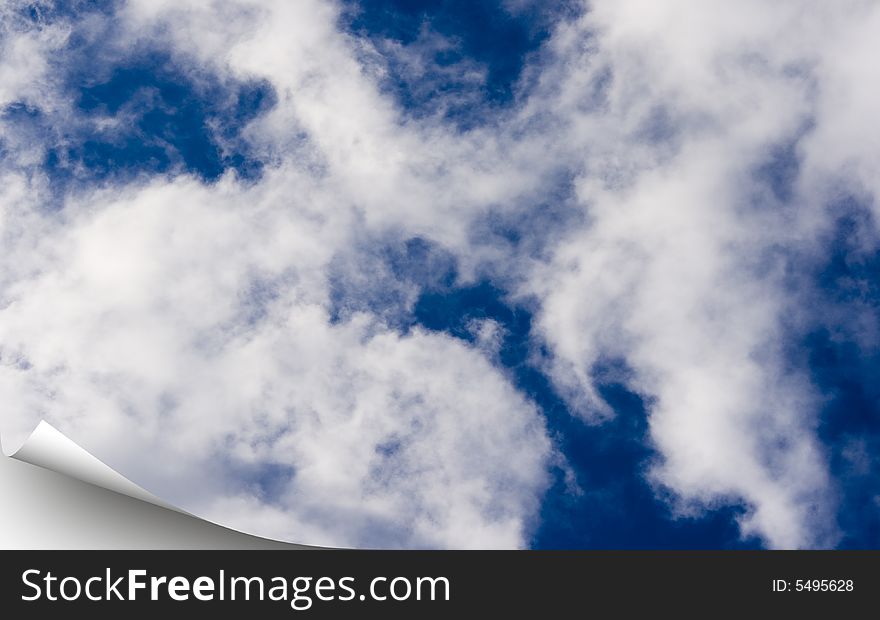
point(49, 448)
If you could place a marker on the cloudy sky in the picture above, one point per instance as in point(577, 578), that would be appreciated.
point(453, 273)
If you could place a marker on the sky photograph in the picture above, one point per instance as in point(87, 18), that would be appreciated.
point(453, 274)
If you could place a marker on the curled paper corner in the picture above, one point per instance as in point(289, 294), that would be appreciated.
point(49, 448)
point(44, 508)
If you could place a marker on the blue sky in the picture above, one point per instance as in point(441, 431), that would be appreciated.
point(453, 274)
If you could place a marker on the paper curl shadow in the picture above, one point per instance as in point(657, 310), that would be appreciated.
point(55, 495)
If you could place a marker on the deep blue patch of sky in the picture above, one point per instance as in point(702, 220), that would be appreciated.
point(483, 33)
point(168, 122)
point(843, 358)
point(140, 111)
point(616, 507)
point(172, 122)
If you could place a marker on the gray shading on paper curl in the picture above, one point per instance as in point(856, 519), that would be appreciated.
point(58, 496)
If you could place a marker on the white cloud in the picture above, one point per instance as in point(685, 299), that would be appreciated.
point(677, 272)
point(140, 337)
point(192, 320)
